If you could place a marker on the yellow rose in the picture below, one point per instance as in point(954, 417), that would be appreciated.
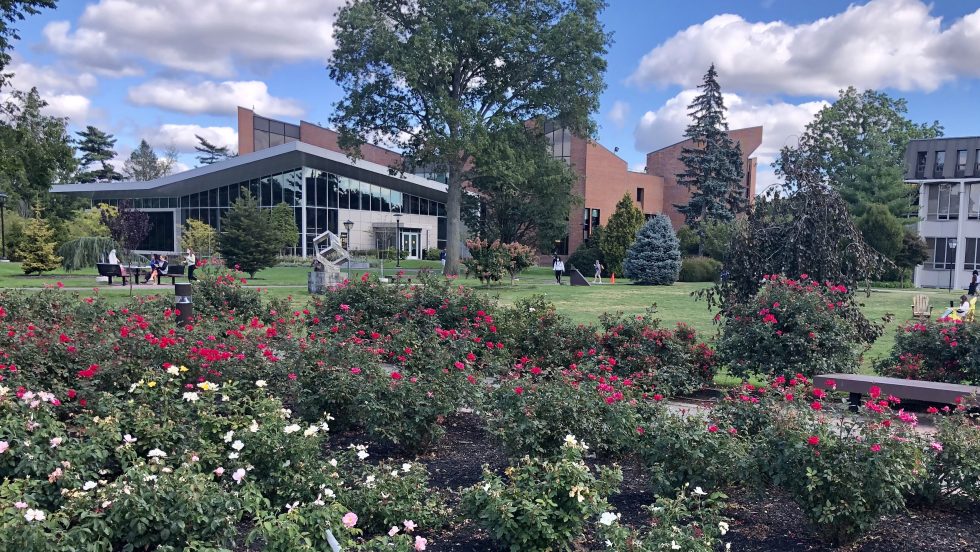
point(152, 384)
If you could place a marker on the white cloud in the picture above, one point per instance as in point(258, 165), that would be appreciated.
point(213, 98)
point(64, 91)
point(618, 113)
point(884, 43)
point(183, 136)
point(211, 37)
point(782, 122)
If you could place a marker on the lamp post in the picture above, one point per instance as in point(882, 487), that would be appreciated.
point(3, 237)
point(398, 239)
point(348, 224)
point(952, 246)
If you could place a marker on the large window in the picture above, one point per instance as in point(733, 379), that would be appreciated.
point(559, 141)
point(972, 258)
point(937, 169)
point(269, 132)
point(920, 164)
point(941, 255)
point(960, 163)
point(944, 202)
point(161, 236)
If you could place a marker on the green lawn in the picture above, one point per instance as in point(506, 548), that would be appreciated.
point(582, 304)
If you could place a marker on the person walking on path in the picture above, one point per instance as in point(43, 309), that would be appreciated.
point(558, 267)
point(442, 258)
point(597, 279)
point(973, 284)
point(191, 259)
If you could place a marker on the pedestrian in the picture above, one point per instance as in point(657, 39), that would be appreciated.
point(598, 272)
point(442, 257)
point(191, 260)
point(973, 284)
point(558, 267)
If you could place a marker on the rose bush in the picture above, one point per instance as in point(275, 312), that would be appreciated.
point(934, 350)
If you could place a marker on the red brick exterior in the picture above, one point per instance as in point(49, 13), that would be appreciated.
point(666, 163)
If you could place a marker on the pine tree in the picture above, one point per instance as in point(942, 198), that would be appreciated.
point(619, 233)
point(96, 147)
point(210, 153)
point(37, 247)
point(714, 171)
point(247, 240)
point(655, 256)
point(143, 164)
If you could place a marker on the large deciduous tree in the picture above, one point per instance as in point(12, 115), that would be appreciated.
point(713, 165)
point(858, 146)
point(435, 76)
point(522, 193)
point(96, 147)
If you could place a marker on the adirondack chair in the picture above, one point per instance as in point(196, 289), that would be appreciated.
point(971, 315)
point(921, 307)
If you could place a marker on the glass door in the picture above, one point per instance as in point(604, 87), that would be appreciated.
point(410, 244)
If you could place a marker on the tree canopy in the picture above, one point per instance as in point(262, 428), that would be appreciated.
point(858, 145)
point(435, 76)
point(620, 233)
point(144, 163)
point(96, 147)
point(12, 11)
point(522, 192)
point(209, 153)
point(713, 166)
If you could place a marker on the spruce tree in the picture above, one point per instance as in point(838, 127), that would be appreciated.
point(619, 233)
point(655, 256)
point(37, 247)
point(714, 173)
point(247, 240)
point(96, 147)
point(210, 153)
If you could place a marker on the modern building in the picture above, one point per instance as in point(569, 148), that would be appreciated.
point(303, 167)
point(947, 173)
point(604, 178)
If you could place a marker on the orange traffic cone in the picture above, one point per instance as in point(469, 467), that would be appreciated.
point(612, 280)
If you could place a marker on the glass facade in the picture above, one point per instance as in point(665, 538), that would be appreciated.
point(559, 141)
point(325, 194)
point(944, 202)
point(269, 132)
point(941, 255)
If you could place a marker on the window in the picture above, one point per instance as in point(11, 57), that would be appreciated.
point(944, 202)
point(941, 255)
point(639, 196)
point(976, 164)
point(960, 163)
point(973, 209)
point(937, 170)
point(920, 164)
point(972, 259)
point(586, 228)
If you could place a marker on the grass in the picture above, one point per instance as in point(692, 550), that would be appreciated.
point(581, 304)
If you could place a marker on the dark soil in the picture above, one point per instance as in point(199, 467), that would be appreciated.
point(760, 522)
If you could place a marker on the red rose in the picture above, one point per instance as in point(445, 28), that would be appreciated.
point(813, 440)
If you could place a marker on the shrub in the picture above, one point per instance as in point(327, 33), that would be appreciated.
point(432, 254)
point(656, 359)
point(952, 457)
point(491, 261)
point(690, 521)
point(541, 504)
point(699, 269)
point(792, 326)
point(587, 254)
point(655, 256)
point(934, 350)
point(37, 247)
point(385, 495)
point(534, 329)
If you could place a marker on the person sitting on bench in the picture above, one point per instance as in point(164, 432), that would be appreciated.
point(114, 260)
point(155, 264)
point(958, 313)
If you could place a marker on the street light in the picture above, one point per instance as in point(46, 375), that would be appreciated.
point(398, 240)
point(348, 224)
point(3, 237)
point(952, 245)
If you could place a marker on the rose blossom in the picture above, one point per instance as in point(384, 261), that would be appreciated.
point(813, 440)
point(239, 475)
point(350, 520)
point(875, 447)
point(420, 543)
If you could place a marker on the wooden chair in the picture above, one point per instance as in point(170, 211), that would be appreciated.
point(921, 307)
point(972, 313)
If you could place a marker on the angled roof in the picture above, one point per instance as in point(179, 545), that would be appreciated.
point(749, 137)
point(284, 157)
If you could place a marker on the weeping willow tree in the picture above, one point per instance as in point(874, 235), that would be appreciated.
point(85, 252)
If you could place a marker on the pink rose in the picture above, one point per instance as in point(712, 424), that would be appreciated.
point(350, 520)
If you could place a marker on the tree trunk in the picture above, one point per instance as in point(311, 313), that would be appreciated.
point(454, 225)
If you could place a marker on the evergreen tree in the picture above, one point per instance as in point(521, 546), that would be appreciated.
point(283, 221)
point(210, 153)
point(36, 250)
point(619, 233)
point(247, 240)
point(655, 256)
point(713, 166)
point(96, 147)
point(882, 230)
point(143, 164)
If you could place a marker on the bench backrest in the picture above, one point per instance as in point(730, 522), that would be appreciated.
point(920, 305)
point(106, 269)
point(175, 270)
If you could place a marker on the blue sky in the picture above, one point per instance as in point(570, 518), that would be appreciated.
point(167, 69)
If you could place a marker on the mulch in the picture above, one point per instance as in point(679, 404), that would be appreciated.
point(767, 521)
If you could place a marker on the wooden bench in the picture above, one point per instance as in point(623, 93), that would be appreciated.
point(916, 390)
point(173, 271)
point(110, 271)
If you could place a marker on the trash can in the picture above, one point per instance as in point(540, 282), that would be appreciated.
point(184, 303)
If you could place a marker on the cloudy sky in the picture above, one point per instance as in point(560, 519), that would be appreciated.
point(165, 70)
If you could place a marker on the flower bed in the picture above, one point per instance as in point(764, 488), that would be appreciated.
point(304, 428)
